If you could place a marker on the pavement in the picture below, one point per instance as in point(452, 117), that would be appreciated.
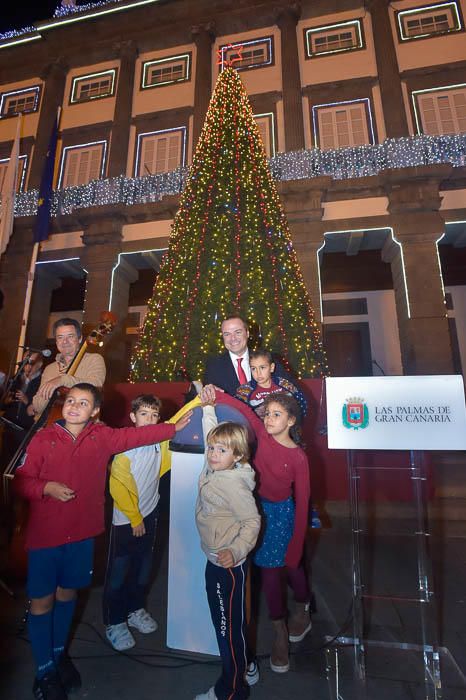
point(152, 671)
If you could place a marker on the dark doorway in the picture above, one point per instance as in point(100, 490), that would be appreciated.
point(348, 349)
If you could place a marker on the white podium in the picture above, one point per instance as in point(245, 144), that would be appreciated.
point(189, 625)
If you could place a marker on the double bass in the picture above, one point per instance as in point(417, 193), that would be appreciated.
point(51, 413)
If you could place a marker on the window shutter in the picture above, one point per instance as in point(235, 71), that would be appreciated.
point(428, 115)
point(443, 113)
point(173, 151)
point(459, 101)
point(95, 164)
point(447, 125)
point(343, 126)
point(326, 131)
point(147, 166)
point(358, 126)
point(264, 125)
point(72, 162)
point(83, 165)
point(161, 154)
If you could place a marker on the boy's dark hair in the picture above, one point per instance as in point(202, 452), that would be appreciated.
point(291, 406)
point(261, 352)
point(67, 322)
point(146, 400)
point(92, 390)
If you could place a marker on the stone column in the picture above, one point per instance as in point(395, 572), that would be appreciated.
point(394, 109)
point(102, 240)
point(123, 276)
point(287, 19)
point(44, 284)
point(302, 200)
point(127, 52)
point(419, 295)
point(203, 36)
point(54, 76)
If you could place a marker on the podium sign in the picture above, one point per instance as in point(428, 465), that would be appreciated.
point(396, 413)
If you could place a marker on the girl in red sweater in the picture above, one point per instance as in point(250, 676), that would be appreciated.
point(284, 490)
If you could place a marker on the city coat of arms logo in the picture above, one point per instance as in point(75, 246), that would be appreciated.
point(355, 413)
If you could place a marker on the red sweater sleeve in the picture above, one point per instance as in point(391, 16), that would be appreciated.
point(123, 439)
point(302, 492)
point(27, 482)
point(256, 423)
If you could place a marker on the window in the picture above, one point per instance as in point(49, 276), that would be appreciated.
point(160, 151)
point(334, 38)
point(343, 124)
point(249, 54)
point(92, 87)
point(165, 71)
point(427, 21)
point(22, 167)
point(19, 101)
point(83, 163)
point(265, 123)
point(441, 111)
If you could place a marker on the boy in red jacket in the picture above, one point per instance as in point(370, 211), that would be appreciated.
point(63, 476)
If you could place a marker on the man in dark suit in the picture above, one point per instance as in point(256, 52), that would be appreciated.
point(231, 368)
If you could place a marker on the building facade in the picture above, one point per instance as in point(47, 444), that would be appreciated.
point(362, 109)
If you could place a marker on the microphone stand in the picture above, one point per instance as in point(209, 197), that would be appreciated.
point(11, 382)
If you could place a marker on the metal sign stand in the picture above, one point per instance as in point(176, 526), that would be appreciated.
point(424, 600)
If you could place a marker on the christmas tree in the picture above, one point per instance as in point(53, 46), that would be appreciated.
point(230, 252)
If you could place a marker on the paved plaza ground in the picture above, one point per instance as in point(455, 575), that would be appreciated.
point(152, 671)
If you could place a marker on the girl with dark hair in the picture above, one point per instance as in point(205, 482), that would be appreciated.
point(284, 491)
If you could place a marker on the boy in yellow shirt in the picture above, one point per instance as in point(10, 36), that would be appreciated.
point(134, 486)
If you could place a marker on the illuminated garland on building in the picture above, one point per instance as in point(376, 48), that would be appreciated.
point(65, 10)
point(14, 33)
point(340, 164)
point(230, 251)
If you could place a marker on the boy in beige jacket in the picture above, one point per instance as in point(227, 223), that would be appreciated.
point(228, 522)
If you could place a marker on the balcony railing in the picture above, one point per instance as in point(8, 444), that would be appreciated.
point(340, 164)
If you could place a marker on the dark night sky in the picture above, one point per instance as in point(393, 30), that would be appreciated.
point(22, 13)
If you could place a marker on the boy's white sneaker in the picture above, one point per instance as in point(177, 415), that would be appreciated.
point(120, 637)
point(142, 621)
point(210, 695)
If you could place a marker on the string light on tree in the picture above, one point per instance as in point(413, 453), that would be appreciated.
point(230, 251)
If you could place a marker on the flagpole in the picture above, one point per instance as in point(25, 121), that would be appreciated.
point(30, 282)
point(27, 304)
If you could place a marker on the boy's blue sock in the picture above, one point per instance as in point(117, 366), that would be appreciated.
point(62, 617)
point(40, 635)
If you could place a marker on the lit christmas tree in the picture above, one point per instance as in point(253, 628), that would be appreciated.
point(230, 252)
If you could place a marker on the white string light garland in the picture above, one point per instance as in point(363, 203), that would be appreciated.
point(340, 164)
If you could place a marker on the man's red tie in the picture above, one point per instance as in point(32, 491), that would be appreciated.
point(241, 373)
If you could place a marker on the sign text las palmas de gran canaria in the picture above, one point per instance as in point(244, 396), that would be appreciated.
point(393, 413)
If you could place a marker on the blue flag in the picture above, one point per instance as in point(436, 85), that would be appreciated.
point(41, 227)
